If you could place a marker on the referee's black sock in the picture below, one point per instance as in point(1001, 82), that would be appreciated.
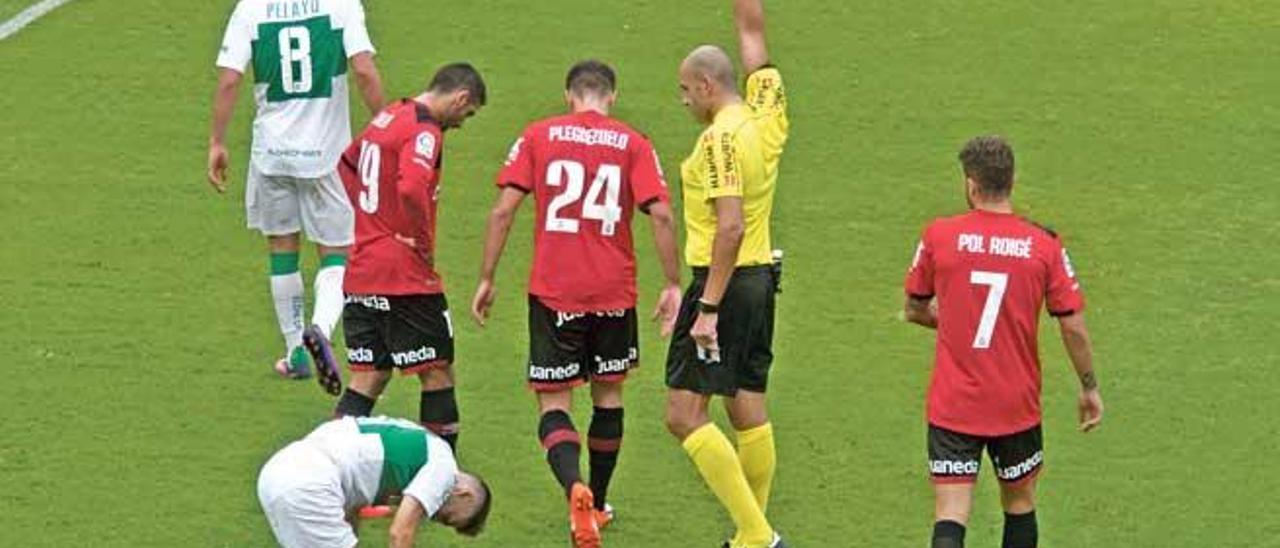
point(564, 447)
point(604, 440)
point(438, 412)
point(353, 404)
point(948, 534)
point(1021, 531)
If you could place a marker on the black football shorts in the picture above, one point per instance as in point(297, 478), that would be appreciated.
point(411, 333)
point(570, 349)
point(956, 457)
point(744, 333)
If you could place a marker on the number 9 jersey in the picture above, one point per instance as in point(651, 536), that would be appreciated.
point(391, 173)
point(588, 173)
point(991, 273)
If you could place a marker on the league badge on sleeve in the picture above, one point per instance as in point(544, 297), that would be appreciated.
point(426, 146)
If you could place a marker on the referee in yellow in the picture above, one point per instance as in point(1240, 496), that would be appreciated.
point(724, 334)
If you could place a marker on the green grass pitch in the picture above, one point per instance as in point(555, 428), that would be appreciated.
point(137, 400)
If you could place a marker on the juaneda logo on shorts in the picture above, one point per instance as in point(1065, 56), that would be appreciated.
point(412, 357)
point(953, 467)
point(359, 355)
point(1023, 468)
point(561, 373)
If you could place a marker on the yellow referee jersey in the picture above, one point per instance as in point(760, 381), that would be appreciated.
point(737, 155)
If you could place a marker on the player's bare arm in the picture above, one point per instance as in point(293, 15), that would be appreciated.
point(748, 15)
point(663, 222)
point(224, 103)
point(724, 256)
point(495, 240)
point(1075, 336)
point(404, 527)
point(922, 312)
point(368, 81)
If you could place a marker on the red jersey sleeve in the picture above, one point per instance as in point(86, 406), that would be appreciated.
point(518, 171)
point(1063, 296)
point(919, 282)
point(647, 182)
point(419, 157)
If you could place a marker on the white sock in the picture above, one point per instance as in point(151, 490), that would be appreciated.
point(289, 296)
point(329, 298)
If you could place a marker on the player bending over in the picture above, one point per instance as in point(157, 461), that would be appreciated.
point(300, 60)
point(311, 489)
point(980, 279)
point(396, 315)
point(723, 343)
point(587, 173)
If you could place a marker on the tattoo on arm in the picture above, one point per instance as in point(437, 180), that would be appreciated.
point(1088, 380)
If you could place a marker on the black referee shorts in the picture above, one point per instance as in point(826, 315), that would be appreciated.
point(744, 332)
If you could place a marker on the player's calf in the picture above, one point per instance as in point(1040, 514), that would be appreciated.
point(438, 412)
point(563, 446)
point(948, 534)
point(1020, 531)
point(604, 442)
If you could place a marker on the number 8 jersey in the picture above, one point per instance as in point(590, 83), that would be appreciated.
point(299, 51)
point(991, 273)
point(588, 173)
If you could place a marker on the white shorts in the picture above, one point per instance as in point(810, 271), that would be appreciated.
point(300, 490)
point(281, 205)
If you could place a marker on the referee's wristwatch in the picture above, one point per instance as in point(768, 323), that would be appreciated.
point(705, 307)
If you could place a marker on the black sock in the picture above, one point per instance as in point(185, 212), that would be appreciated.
point(563, 446)
point(604, 440)
point(1021, 531)
point(353, 404)
point(438, 412)
point(948, 534)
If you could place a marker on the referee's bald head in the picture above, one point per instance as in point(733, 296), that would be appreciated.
point(712, 63)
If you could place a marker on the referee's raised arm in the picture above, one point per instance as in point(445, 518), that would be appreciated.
point(748, 15)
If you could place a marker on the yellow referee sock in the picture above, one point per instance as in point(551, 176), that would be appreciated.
point(716, 461)
point(759, 460)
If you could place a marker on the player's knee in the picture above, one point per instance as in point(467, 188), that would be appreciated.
point(287, 243)
point(682, 422)
point(953, 502)
point(328, 250)
point(746, 417)
point(370, 383)
point(437, 378)
point(1018, 498)
point(606, 394)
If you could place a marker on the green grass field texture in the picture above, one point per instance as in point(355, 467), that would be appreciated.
point(138, 403)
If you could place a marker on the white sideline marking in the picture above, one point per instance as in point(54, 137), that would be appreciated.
point(28, 16)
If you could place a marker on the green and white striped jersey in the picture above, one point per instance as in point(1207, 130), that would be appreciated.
point(299, 51)
point(378, 457)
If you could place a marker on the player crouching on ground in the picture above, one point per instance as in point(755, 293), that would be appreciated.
point(396, 315)
point(311, 489)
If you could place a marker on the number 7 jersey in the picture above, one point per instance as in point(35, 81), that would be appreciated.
point(991, 273)
point(588, 173)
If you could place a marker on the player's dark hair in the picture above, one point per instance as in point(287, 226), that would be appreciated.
point(988, 160)
point(455, 76)
point(475, 525)
point(591, 77)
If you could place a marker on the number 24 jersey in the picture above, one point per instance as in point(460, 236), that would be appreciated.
point(991, 273)
point(587, 172)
